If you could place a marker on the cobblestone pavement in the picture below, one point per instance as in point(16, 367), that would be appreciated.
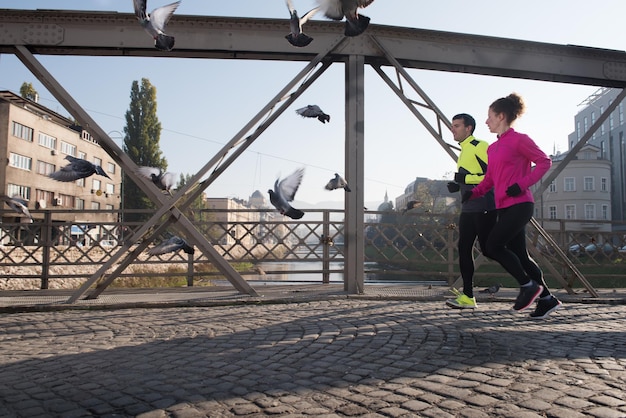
point(324, 358)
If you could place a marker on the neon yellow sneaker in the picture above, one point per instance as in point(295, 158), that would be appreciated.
point(462, 301)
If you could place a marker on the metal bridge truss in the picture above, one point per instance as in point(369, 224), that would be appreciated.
point(25, 33)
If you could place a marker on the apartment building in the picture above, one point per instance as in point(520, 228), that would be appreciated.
point(580, 194)
point(34, 142)
point(609, 139)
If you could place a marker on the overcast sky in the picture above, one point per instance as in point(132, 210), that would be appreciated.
point(202, 104)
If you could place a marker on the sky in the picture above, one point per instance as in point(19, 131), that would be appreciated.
point(202, 104)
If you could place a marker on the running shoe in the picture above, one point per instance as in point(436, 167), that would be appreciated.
point(527, 295)
point(545, 307)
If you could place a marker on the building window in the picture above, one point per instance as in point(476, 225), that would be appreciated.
point(602, 149)
point(68, 149)
point(95, 184)
point(570, 211)
point(109, 207)
point(621, 113)
point(95, 205)
point(45, 168)
point(22, 131)
point(569, 184)
point(82, 155)
point(20, 161)
point(602, 126)
point(590, 211)
point(578, 130)
point(47, 141)
point(80, 182)
point(79, 203)
point(552, 187)
point(44, 195)
point(552, 212)
point(97, 161)
point(604, 184)
point(593, 120)
point(585, 124)
point(605, 212)
point(111, 168)
point(611, 124)
point(110, 188)
point(65, 200)
point(588, 184)
point(16, 189)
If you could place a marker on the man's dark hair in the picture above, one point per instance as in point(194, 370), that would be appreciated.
point(467, 120)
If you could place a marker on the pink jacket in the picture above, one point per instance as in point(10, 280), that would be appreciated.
point(510, 159)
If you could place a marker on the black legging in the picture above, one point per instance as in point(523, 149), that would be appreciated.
point(472, 225)
point(507, 245)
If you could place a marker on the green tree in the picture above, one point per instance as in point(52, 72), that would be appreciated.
point(198, 204)
point(27, 91)
point(142, 135)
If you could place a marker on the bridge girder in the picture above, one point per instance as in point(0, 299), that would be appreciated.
point(119, 34)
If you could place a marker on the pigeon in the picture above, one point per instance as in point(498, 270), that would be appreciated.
point(337, 9)
point(172, 244)
point(313, 111)
point(77, 169)
point(337, 182)
point(154, 23)
point(492, 290)
point(18, 204)
point(412, 204)
point(296, 37)
point(164, 180)
point(284, 192)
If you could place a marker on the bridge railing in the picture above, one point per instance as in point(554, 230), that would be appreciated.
point(263, 245)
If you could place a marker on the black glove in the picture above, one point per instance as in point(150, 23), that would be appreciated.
point(514, 190)
point(459, 177)
point(466, 196)
point(453, 187)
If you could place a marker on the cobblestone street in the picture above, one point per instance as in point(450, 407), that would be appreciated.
point(328, 358)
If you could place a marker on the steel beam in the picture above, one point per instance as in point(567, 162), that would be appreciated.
point(354, 271)
point(119, 34)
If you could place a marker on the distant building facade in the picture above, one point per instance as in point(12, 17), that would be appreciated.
point(610, 140)
point(581, 193)
point(34, 141)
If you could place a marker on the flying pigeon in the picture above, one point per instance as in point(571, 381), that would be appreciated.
point(313, 111)
point(164, 180)
point(77, 169)
point(284, 192)
point(492, 290)
point(337, 182)
point(337, 9)
point(172, 244)
point(154, 23)
point(18, 204)
point(296, 37)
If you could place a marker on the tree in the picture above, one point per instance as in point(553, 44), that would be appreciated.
point(198, 204)
point(142, 135)
point(27, 91)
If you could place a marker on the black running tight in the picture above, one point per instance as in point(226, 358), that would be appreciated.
point(507, 245)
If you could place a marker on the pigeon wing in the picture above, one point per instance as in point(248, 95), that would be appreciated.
point(289, 185)
point(172, 244)
point(332, 9)
point(159, 17)
point(308, 15)
point(140, 9)
point(66, 174)
point(290, 6)
point(168, 180)
point(364, 3)
point(147, 172)
point(310, 111)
